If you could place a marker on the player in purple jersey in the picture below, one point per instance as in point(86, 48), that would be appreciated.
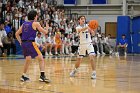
point(30, 48)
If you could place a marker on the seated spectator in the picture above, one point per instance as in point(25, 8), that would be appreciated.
point(102, 43)
point(95, 42)
point(8, 43)
point(108, 44)
point(122, 47)
point(58, 42)
point(49, 41)
point(40, 43)
point(75, 45)
point(68, 45)
point(63, 43)
point(2, 36)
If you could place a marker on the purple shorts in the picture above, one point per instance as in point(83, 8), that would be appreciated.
point(30, 49)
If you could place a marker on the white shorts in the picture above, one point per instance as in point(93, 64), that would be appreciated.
point(86, 47)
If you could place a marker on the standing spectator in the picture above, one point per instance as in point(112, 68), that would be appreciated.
point(68, 29)
point(7, 27)
point(2, 36)
point(62, 27)
point(21, 4)
point(22, 20)
point(16, 22)
point(20, 12)
point(8, 16)
point(8, 7)
point(31, 6)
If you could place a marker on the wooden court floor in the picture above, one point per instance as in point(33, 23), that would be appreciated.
point(114, 75)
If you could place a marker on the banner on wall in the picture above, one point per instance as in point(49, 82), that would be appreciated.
point(69, 1)
point(98, 1)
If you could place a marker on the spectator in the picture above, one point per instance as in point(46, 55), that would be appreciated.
point(7, 27)
point(8, 43)
point(58, 42)
point(22, 20)
point(75, 45)
point(31, 6)
point(21, 4)
point(67, 45)
point(62, 27)
point(49, 41)
point(95, 42)
point(68, 29)
point(122, 47)
point(108, 43)
point(40, 43)
point(2, 36)
point(16, 22)
point(102, 43)
point(63, 43)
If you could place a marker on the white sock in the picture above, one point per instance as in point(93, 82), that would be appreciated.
point(24, 74)
point(75, 68)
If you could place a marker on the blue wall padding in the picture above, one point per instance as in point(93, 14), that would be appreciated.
point(136, 34)
point(123, 27)
point(69, 1)
point(98, 1)
point(18, 48)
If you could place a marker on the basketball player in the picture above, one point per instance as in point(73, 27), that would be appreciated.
point(85, 44)
point(30, 49)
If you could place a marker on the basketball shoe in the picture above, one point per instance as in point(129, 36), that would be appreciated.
point(44, 79)
point(72, 74)
point(24, 78)
point(93, 76)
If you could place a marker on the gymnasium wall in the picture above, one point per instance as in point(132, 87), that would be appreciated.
point(123, 27)
point(85, 2)
point(102, 19)
point(99, 1)
point(69, 1)
point(136, 34)
point(131, 28)
point(114, 1)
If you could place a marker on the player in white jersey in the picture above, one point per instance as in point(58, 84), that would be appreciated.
point(85, 44)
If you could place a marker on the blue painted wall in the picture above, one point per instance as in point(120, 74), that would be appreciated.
point(69, 1)
point(98, 1)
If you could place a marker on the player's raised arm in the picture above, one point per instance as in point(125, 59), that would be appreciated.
point(39, 28)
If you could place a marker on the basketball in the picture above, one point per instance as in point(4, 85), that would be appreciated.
point(93, 24)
